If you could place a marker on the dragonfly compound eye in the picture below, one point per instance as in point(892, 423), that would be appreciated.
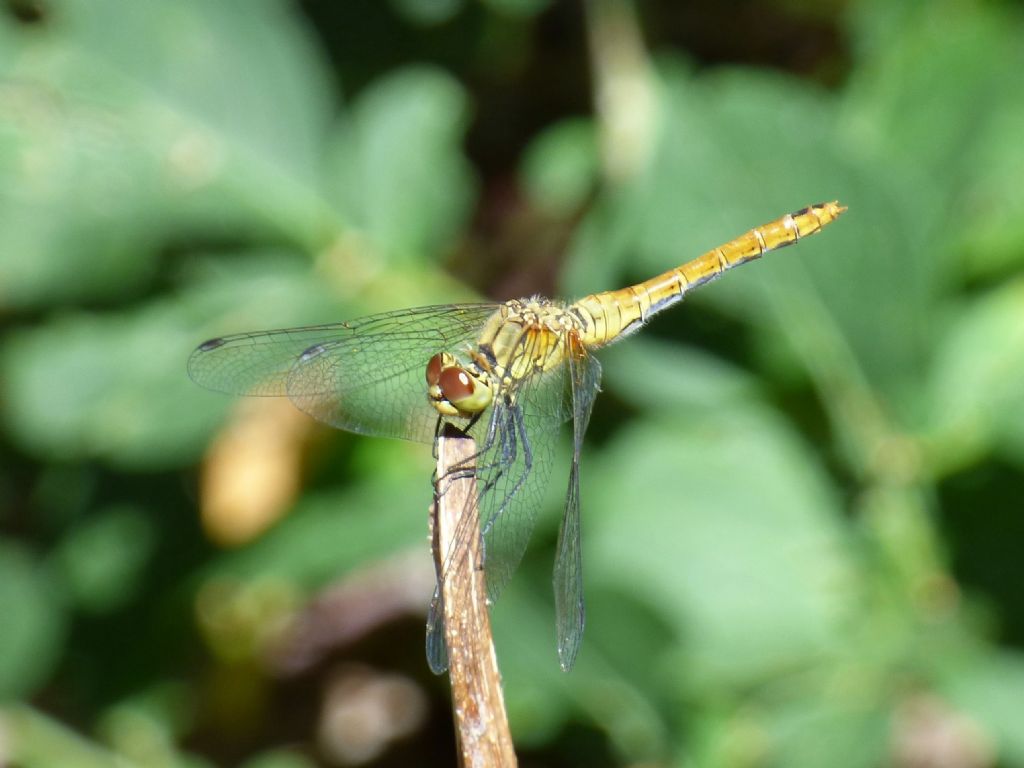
point(456, 384)
point(462, 390)
point(434, 370)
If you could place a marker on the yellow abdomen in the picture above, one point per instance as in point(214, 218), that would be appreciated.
point(608, 315)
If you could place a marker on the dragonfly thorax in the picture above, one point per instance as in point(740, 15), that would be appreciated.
point(456, 389)
point(526, 337)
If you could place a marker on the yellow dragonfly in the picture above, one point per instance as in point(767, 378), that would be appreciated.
point(510, 374)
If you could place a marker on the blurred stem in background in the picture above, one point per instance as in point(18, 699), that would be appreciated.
point(624, 88)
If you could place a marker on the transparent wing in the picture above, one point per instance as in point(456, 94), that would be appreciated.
point(363, 375)
point(516, 446)
point(437, 650)
point(515, 470)
point(585, 378)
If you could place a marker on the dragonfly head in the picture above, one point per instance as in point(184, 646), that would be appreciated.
point(455, 389)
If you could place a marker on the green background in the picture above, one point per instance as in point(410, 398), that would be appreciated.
point(802, 489)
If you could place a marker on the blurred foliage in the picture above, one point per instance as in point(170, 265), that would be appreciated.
point(801, 490)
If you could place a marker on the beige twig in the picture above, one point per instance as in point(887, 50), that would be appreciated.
point(481, 722)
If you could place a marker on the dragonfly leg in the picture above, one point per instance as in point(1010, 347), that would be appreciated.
point(516, 433)
point(469, 463)
point(505, 461)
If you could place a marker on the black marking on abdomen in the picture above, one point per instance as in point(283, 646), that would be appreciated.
point(585, 324)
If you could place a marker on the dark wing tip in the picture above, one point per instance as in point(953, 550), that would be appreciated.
point(310, 352)
point(211, 344)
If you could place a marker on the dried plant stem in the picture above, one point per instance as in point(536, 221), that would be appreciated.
point(481, 721)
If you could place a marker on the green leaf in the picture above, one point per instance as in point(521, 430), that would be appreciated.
point(991, 690)
point(141, 730)
point(117, 137)
point(34, 622)
point(993, 236)
point(928, 87)
point(560, 167)
point(845, 734)
point(114, 386)
point(660, 376)
point(38, 741)
point(400, 168)
point(737, 528)
point(101, 560)
point(826, 727)
point(974, 397)
point(542, 699)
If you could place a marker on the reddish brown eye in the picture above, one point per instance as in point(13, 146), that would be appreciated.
point(455, 385)
point(434, 370)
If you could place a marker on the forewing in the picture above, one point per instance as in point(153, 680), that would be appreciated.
point(363, 375)
point(514, 473)
point(585, 380)
point(517, 445)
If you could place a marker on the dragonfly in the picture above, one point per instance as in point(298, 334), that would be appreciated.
point(508, 374)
